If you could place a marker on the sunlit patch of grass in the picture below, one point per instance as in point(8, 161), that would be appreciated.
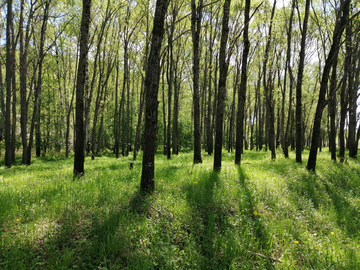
point(263, 214)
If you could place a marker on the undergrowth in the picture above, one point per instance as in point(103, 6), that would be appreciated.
point(261, 215)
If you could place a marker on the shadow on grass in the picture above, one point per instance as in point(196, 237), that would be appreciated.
point(101, 240)
point(210, 222)
point(258, 239)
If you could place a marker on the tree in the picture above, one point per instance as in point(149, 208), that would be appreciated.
point(299, 143)
point(224, 66)
point(196, 16)
point(80, 86)
point(242, 88)
point(338, 30)
point(152, 79)
point(268, 89)
point(10, 72)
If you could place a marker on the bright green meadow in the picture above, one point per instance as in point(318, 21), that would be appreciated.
point(262, 215)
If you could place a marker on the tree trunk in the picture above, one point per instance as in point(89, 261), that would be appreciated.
point(80, 87)
point(224, 65)
point(35, 122)
point(151, 91)
point(268, 90)
point(352, 92)
point(299, 142)
point(8, 80)
point(196, 16)
point(242, 88)
point(332, 111)
point(339, 28)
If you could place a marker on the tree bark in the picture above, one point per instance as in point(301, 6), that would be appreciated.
point(285, 139)
point(224, 65)
point(299, 142)
point(339, 28)
point(151, 92)
point(80, 87)
point(196, 16)
point(8, 81)
point(268, 90)
point(242, 88)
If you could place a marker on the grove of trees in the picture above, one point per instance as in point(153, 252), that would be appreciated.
point(188, 75)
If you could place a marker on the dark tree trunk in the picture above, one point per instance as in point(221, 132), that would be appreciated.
point(268, 90)
point(151, 92)
point(332, 111)
point(196, 16)
point(177, 84)
point(285, 139)
point(232, 113)
point(339, 28)
point(224, 65)
point(242, 88)
point(35, 122)
point(24, 44)
point(80, 89)
point(8, 80)
point(209, 125)
point(299, 142)
point(352, 92)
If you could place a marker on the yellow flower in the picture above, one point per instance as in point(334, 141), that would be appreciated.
point(255, 213)
point(42, 201)
point(358, 200)
point(315, 234)
point(162, 180)
point(195, 182)
point(332, 233)
point(296, 242)
point(18, 219)
point(317, 246)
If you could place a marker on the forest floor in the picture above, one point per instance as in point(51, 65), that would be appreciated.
point(262, 215)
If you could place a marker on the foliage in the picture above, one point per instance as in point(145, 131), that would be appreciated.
point(263, 215)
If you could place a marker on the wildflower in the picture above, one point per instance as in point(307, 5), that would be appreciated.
point(18, 219)
point(317, 246)
point(296, 242)
point(162, 180)
point(195, 182)
point(315, 234)
point(332, 233)
point(42, 201)
point(255, 213)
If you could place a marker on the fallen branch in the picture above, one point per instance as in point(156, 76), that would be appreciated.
point(265, 257)
point(149, 204)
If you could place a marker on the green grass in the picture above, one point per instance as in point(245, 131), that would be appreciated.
point(262, 215)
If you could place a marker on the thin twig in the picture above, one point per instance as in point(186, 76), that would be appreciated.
point(150, 204)
point(263, 256)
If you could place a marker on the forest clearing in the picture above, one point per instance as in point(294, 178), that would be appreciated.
point(264, 214)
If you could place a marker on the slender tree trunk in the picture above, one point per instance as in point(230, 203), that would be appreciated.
point(268, 90)
point(242, 88)
point(332, 111)
point(288, 69)
point(299, 142)
point(209, 125)
point(196, 16)
point(80, 87)
point(35, 122)
point(352, 92)
point(151, 91)
point(8, 81)
point(339, 28)
point(224, 65)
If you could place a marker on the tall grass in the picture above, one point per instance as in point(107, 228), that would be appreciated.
point(262, 215)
